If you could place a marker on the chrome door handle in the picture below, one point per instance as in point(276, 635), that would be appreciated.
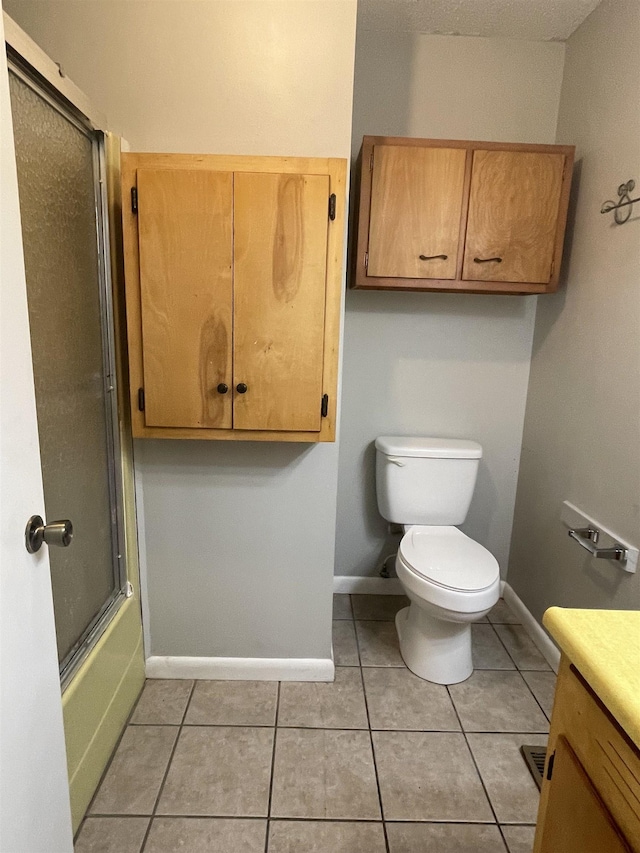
point(58, 533)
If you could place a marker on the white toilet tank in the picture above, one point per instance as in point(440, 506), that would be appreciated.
point(426, 481)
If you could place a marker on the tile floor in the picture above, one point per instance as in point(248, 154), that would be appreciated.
point(377, 762)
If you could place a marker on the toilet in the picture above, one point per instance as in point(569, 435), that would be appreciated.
point(426, 485)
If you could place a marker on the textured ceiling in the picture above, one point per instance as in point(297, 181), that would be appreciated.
point(538, 20)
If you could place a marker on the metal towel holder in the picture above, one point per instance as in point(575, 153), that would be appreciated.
point(624, 192)
point(589, 533)
point(587, 538)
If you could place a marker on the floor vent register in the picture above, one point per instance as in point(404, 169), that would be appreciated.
point(535, 757)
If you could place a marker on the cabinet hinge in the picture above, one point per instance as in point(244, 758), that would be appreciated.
point(141, 399)
point(550, 765)
point(324, 408)
point(371, 161)
point(332, 206)
point(553, 267)
point(134, 199)
point(366, 260)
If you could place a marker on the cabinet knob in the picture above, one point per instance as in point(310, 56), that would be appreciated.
point(487, 260)
point(241, 388)
point(223, 388)
point(432, 257)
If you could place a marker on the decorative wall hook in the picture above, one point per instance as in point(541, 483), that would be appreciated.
point(624, 191)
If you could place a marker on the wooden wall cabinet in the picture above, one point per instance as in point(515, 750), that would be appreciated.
point(233, 274)
point(590, 799)
point(473, 217)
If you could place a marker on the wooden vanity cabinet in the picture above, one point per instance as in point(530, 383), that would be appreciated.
point(590, 799)
point(466, 216)
point(233, 282)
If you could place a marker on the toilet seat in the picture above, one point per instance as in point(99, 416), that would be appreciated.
point(446, 557)
point(448, 569)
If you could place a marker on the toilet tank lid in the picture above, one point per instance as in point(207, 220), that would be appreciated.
point(436, 448)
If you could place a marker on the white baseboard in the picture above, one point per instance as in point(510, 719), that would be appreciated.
point(241, 669)
point(366, 585)
point(543, 641)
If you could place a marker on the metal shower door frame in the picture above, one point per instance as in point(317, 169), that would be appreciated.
point(72, 105)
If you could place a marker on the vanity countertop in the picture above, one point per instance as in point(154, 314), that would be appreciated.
point(604, 645)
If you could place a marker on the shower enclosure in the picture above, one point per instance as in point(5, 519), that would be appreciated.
point(61, 180)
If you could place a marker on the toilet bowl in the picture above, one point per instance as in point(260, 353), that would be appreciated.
point(451, 582)
point(426, 485)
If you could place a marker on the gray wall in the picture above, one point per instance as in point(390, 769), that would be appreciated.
point(582, 428)
point(239, 547)
point(240, 537)
point(440, 364)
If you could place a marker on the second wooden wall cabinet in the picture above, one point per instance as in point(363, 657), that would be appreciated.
point(233, 271)
point(475, 217)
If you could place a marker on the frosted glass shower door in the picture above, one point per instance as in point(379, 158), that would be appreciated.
point(59, 164)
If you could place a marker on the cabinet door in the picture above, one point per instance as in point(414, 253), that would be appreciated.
point(576, 820)
point(513, 216)
point(185, 240)
point(280, 259)
point(416, 204)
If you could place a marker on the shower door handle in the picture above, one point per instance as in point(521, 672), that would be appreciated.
point(58, 533)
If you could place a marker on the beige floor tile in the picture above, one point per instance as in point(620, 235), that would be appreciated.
point(512, 791)
point(378, 607)
point(378, 643)
point(133, 780)
point(314, 836)
point(543, 687)
point(398, 699)
point(339, 705)
point(222, 771)
point(163, 701)
point(111, 835)
point(502, 614)
point(444, 838)
point(345, 649)
point(233, 703)
point(492, 701)
point(488, 651)
point(428, 776)
point(342, 607)
point(204, 835)
point(521, 647)
point(519, 838)
point(324, 773)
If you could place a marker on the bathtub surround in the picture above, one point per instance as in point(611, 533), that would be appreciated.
point(239, 539)
point(429, 363)
point(582, 426)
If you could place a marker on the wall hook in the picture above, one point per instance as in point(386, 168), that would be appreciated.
point(624, 191)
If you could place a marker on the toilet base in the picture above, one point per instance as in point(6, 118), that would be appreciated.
point(432, 648)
